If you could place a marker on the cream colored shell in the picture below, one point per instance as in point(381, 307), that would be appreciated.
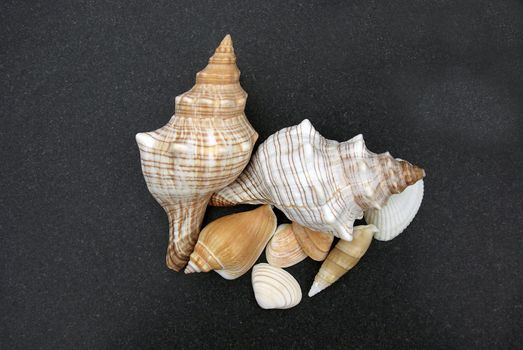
point(275, 288)
point(398, 213)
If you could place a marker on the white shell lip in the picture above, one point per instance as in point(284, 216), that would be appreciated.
point(144, 139)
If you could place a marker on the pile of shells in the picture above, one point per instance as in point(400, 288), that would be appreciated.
point(202, 156)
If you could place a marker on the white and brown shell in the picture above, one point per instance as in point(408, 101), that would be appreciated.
point(274, 288)
point(204, 147)
point(397, 214)
point(231, 244)
point(283, 249)
point(321, 184)
point(342, 258)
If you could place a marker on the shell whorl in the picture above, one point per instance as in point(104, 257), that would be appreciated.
point(217, 92)
point(318, 183)
point(203, 148)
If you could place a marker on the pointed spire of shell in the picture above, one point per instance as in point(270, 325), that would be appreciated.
point(222, 68)
point(217, 93)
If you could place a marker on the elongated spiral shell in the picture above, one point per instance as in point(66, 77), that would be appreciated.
point(283, 249)
point(342, 258)
point(393, 218)
point(275, 288)
point(204, 147)
point(321, 184)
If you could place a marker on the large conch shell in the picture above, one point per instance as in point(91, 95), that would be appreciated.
point(274, 288)
point(321, 184)
point(315, 244)
point(231, 244)
point(283, 249)
point(397, 214)
point(342, 258)
point(204, 147)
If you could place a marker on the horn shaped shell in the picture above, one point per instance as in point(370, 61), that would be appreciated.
point(283, 249)
point(321, 184)
point(231, 244)
point(393, 218)
point(342, 258)
point(275, 288)
point(315, 244)
point(204, 147)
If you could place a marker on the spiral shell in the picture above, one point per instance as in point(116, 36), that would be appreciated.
point(283, 249)
point(321, 184)
point(203, 148)
point(275, 288)
point(342, 258)
point(393, 218)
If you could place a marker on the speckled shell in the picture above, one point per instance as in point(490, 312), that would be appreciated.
point(397, 214)
point(275, 288)
point(204, 147)
point(283, 249)
point(321, 184)
point(231, 244)
point(343, 257)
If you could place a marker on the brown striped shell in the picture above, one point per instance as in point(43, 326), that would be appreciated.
point(203, 148)
point(321, 184)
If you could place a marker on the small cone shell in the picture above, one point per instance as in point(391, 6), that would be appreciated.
point(203, 148)
point(315, 244)
point(283, 249)
point(231, 244)
point(342, 258)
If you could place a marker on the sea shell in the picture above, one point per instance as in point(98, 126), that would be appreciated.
point(397, 214)
point(283, 249)
point(204, 147)
point(275, 288)
point(231, 244)
point(315, 244)
point(321, 184)
point(342, 258)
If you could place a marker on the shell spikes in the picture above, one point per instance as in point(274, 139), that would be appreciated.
point(231, 244)
point(321, 184)
point(204, 147)
point(342, 258)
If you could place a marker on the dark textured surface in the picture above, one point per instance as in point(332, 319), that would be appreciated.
point(83, 242)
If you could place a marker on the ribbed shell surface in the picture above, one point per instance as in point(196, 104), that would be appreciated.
point(321, 184)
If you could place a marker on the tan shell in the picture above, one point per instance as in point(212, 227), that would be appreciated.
point(274, 288)
point(203, 148)
point(231, 244)
point(315, 244)
point(321, 184)
point(342, 258)
point(283, 249)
